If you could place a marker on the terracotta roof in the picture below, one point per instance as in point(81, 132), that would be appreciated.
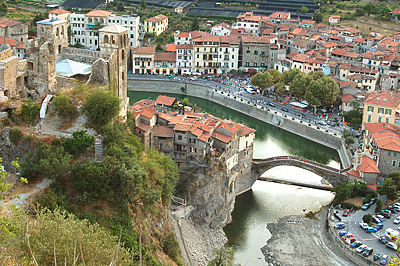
point(280, 15)
point(256, 39)
point(98, 13)
point(148, 112)
point(300, 58)
point(384, 98)
point(59, 11)
point(171, 47)
point(182, 127)
point(157, 18)
point(163, 131)
point(373, 187)
point(184, 46)
point(165, 100)
point(329, 44)
point(308, 22)
point(335, 16)
point(144, 50)
point(354, 172)
point(204, 137)
point(348, 98)
point(143, 127)
point(396, 11)
point(368, 165)
point(374, 128)
point(9, 22)
point(246, 130)
point(183, 34)
point(206, 37)
point(302, 42)
point(221, 137)
point(161, 56)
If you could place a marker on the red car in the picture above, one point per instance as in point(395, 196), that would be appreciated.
point(346, 213)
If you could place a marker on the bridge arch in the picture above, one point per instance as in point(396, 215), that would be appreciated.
point(331, 175)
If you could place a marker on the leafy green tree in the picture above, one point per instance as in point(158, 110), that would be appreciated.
point(396, 178)
point(343, 192)
point(276, 75)
point(304, 9)
point(379, 205)
point(64, 107)
point(143, 4)
point(349, 140)
point(261, 80)
point(359, 188)
point(388, 188)
point(288, 76)
point(29, 111)
point(367, 218)
point(195, 24)
point(79, 143)
point(280, 89)
point(223, 257)
point(101, 107)
point(299, 85)
point(3, 8)
point(317, 17)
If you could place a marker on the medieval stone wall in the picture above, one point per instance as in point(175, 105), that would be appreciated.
point(80, 55)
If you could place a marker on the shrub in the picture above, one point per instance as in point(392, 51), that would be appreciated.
point(29, 111)
point(16, 135)
point(171, 247)
point(367, 218)
point(101, 107)
point(349, 205)
point(379, 205)
point(79, 143)
point(64, 107)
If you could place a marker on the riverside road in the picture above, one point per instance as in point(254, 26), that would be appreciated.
point(267, 102)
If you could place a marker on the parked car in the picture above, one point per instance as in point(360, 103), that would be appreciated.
point(322, 123)
point(364, 225)
point(391, 245)
point(361, 248)
point(340, 225)
point(346, 213)
point(385, 214)
point(368, 251)
point(380, 217)
point(285, 110)
point(377, 256)
point(387, 211)
point(365, 207)
point(372, 201)
point(375, 219)
point(397, 220)
point(371, 230)
point(342, 233)
point(382, 239)
point(378, 226)
point(356, 244)
point(383, 260)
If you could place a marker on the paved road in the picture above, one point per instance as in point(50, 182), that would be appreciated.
point(371, 239)
point(261, 100)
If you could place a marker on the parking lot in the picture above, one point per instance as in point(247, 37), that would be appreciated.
point(352, 225)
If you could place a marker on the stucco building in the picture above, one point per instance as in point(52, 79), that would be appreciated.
point(13, 29)
point(157, 24)
point(382, 107)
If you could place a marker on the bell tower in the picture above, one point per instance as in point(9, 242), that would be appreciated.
point(114, 49)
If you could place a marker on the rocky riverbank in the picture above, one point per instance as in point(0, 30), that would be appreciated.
point(197, 242)
point(297, 240)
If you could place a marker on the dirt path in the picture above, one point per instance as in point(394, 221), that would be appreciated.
point(297, 241)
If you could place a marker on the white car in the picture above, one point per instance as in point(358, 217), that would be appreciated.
point(381, 217)
point(397, 220)
point(322, 123)
point(364, 225)
point(361, 248)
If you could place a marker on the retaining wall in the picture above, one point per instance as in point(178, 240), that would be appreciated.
point(313, 132)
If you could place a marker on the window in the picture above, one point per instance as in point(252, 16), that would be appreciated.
point(379, 119)
point(387, 120)
point(369, 118)
point(394, 163)
point(389, 152)
point(395, 154)
point(179, 137)
point(380, 110)
point(370, 108)
point(388, 111)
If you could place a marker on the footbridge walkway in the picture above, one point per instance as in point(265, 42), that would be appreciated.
point(331, 176)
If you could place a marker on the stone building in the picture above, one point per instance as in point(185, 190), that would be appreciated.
point(11, 73)
point(13, 29)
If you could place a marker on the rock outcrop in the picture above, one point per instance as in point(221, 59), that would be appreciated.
point(99, 73)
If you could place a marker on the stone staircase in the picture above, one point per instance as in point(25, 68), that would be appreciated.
point(98, 150)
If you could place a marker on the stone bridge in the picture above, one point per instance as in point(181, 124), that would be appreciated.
point(329, 174)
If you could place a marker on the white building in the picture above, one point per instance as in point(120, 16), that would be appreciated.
point(182, 38)
point(222, 29)
point(184, 58)
point(84, 27)
point(228, 53)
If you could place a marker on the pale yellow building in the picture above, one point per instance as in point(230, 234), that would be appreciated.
point(382, 107)
point(156, 25)
point(60, 14)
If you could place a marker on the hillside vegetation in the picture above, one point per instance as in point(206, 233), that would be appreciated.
point(92, 204)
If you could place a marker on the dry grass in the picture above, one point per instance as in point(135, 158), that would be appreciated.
point(356, 201)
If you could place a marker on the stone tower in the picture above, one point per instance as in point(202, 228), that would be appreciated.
point(114, 49)
point(10, 79)
point(43, 54)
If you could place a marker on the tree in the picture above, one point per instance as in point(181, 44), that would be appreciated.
point(143, 4)
point(280, 89)
point(379, 205)
point(359, 188)
point(222, 257)
point(367, 218)
point(276, 75)
point(396, 178)
point(101, 107)
point(288, 76)
point(195, 24)
point(343, 192)
point(3, 8)
point(349, 140)
point(79, 143)
point(318, 17)
point(388, 188)
point(299, 85)
point(261, 80)
point(355, 104)
point(29, 111)
point(304, 9)
point(64, 107)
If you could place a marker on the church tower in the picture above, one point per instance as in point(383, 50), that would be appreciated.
point(114, 49)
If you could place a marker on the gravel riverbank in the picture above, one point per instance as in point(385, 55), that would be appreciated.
point(197, 242)
point(300, 241)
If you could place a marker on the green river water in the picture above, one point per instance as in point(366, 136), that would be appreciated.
point(267, 201)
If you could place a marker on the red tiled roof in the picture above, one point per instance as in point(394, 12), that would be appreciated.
point(59, 11)
point(163, 131)
point(157, 18)
point(98, 13)
point(171, 47)
point(148, 112)
point(143, 127)
point(165, 100)
point(221, 137)
point(144, 50)
point(9, 22)
point(368, 165)
point(184, 46)
point(348, 98)
point(384, 98)
point(335, 16)
point(183, 34)
point(373, 187)
point(354, 172)
point(182, 127)
point(161, 56)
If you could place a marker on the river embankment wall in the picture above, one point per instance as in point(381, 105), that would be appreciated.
point(321, 135)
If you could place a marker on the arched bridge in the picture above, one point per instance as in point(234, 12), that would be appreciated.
point(329, 174)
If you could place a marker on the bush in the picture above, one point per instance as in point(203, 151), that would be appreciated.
point(171, 247)
point(16, 135)
point(367, 218)
point(64, 107)
point(79, 143)
point(29, 111)
point(379, 205)
point(349, 140)
point(349, 205)
point(101, 107)
point(367, 199)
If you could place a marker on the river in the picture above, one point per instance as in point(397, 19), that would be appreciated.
point(267, 202)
